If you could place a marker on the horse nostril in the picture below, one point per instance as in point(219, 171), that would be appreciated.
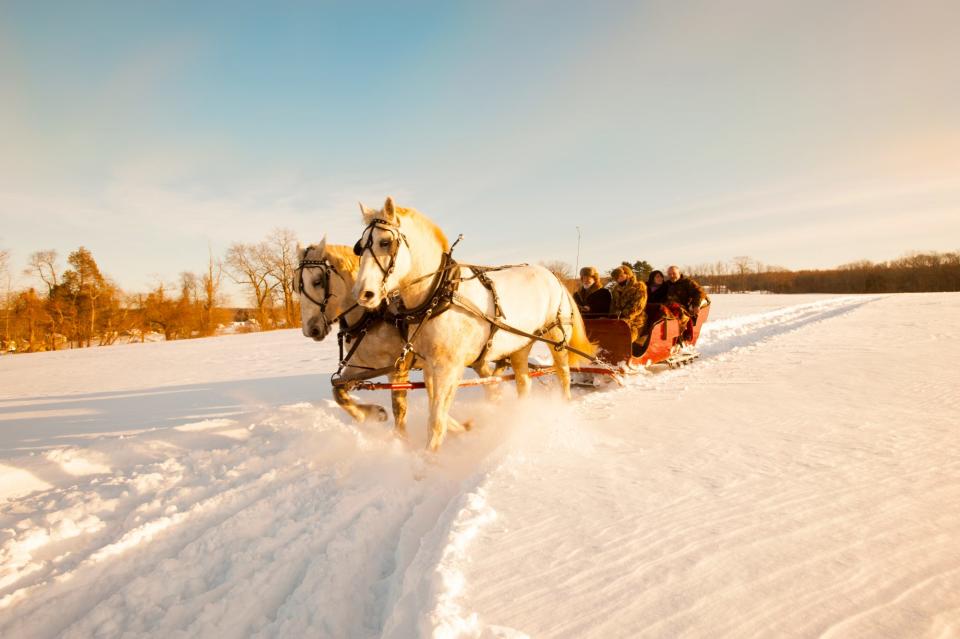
point(315, 331)
point(368, 295)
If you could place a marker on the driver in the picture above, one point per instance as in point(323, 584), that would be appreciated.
point(592, 298)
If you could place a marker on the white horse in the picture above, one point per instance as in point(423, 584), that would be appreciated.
point(402, 252)
point(325, 278)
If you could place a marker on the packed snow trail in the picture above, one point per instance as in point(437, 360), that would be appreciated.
point(783, 485)
point(805, 484)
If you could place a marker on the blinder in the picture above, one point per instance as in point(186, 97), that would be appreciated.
point(361, 247)
point(325, 268)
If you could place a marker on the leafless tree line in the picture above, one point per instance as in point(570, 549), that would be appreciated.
point(78, 306)
point(914, 273)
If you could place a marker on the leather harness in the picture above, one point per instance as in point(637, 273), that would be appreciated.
point(443, 295)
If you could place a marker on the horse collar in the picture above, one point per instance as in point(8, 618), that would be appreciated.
point(446, 280)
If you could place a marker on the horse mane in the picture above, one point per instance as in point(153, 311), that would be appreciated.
point(419, 217)
point(342, 257)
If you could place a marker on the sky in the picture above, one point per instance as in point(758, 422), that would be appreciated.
point(803, 134)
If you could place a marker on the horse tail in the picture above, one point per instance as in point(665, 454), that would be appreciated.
point(578, 339)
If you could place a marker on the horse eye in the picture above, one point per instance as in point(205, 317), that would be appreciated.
point(385, 243)
point(317, 283)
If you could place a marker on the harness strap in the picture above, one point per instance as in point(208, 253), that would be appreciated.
point(443, 295)
point(354, 380)
point(470, 307)
point(353, 349)
point(481, 274)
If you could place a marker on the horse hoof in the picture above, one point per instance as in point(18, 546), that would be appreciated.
point(381, 414)
point(468, 424)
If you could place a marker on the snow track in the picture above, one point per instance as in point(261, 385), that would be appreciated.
point(725, 335)
point(278, 518)
point(306, 517)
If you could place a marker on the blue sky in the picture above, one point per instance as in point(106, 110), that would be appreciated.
point(804, 134)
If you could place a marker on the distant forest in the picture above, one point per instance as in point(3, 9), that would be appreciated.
point(914, 273)
point(77, 305)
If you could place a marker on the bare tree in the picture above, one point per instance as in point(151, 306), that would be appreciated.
point(43, 264)
point(189, 305)
point(741, 266)
point(280, 252)
point(247, 264)
point(6, 283)
point(210, 283)
point(561, 269)
point(189, 287)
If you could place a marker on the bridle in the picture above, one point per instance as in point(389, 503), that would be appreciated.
point(326, 268)
point(442, 295)
point(362, 247)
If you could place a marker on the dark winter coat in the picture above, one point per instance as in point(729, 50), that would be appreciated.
point(656, 295)
point(686, 292)
point(629, 301)
point(593, 301)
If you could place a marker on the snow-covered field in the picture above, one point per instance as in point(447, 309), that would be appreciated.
point(802, 479)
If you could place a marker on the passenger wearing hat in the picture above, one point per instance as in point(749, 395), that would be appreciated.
point(592, 298)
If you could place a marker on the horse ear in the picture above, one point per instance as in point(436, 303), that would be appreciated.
point(366, 213)
point(389, 210)
point(322, 246)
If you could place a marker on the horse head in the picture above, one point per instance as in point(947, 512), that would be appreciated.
point(385, 258)
point(322, 279)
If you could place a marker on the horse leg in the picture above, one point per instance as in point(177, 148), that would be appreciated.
point(359, 412)
point(399, 401)
point(486, 369)
point(561, 364)
point(521, 368)
point(442, 388)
